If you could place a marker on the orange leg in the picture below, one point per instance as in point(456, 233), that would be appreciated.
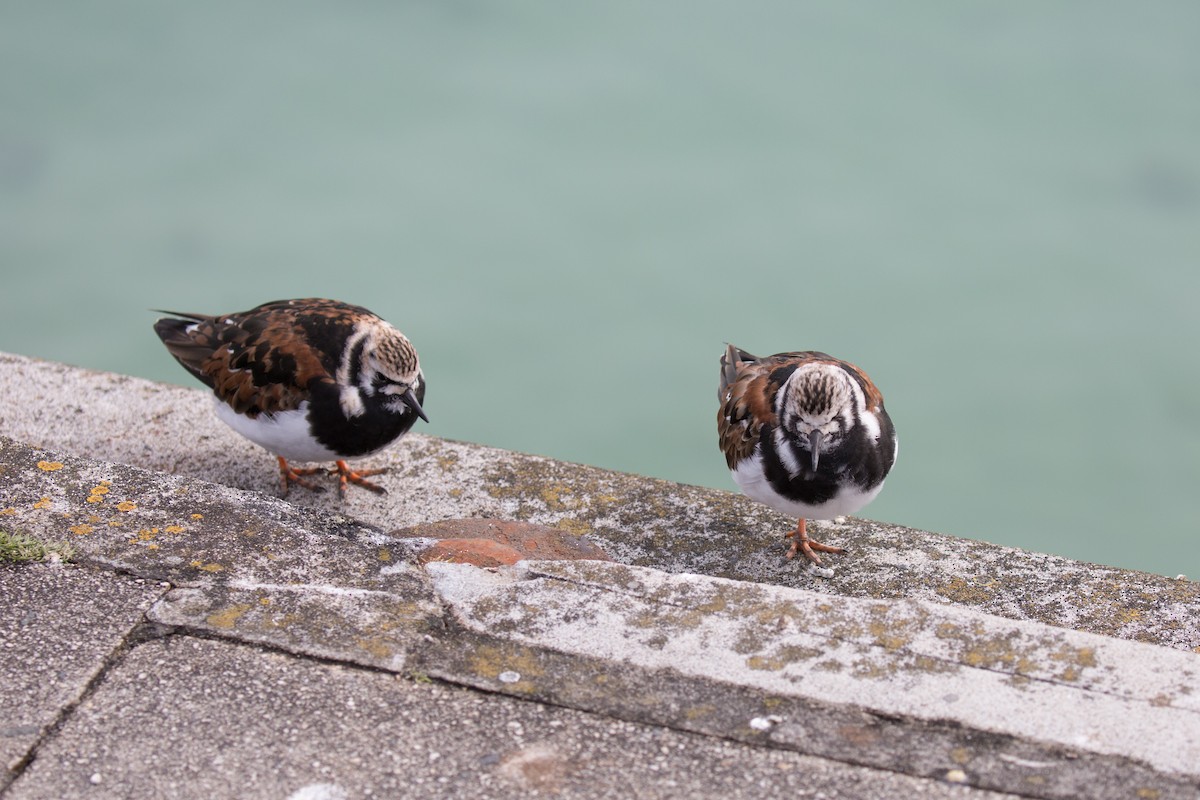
point(288, 475)
point(347, 475)
point(802, 544)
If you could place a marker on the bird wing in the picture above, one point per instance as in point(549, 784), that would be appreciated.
point(255, 361)
point(747, 404)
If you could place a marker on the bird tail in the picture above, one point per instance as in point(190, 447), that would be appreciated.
point(183, 346)
point(730, 360)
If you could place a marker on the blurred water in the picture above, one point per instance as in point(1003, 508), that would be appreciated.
point(992, 208)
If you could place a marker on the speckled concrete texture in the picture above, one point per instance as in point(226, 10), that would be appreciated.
point(283, 632)
point(58, 626)
point(1003, 685)
point(635, 520)
point(206, 719)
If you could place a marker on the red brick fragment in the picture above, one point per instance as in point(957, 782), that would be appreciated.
point(494, 542)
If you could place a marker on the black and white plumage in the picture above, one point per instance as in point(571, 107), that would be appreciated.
point(804, 433)
point(309, 380)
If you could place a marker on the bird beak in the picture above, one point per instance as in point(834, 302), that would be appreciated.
point(411, 400)
point(814, 446)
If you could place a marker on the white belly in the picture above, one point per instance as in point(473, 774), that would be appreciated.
point(750, 478)
point(284, 434)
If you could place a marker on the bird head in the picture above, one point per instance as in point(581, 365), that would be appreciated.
point(397, 370)
point(817, 407)
point(388, 366)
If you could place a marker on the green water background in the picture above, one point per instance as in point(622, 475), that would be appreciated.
point(992, 207)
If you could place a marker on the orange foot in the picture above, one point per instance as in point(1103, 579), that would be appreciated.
point(347, 475)
point(288, 476)
point(802, 544)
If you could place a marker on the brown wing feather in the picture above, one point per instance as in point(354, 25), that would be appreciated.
point(257, 361)
point(747, 398)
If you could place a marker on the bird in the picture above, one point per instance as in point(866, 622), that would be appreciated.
point(805, 434)
point(310, 380)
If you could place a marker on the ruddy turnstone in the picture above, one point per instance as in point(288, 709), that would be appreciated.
point(806, 434)
point(309, 380)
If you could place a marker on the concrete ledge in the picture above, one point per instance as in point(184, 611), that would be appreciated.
point(636, 520)
point(901, 685)
point(890, 669)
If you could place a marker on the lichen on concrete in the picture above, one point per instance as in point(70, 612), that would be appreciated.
point(699, 625)
point(912, 663)
point(636, 520)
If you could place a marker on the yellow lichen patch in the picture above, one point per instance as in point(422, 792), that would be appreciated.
point(1149, 794)
point(174, 529)
point(152, 546)
point(95, 498)
point(49, 466)
point(144, 535)
point(209, 567)
point(375, 646)
point(228, 618)
point(126, 505)
point(43, 503)
point(197, 516)
point(717, 604)
point(101, 489)
point(490, 661)
point(552, 496)
point(765, 664)
point(1076, 659)
point(886, 637)
point(385, 554)
point(573, 526)
point(8, 512)
point(81, 530)
point(961, 591)
point(264, 601)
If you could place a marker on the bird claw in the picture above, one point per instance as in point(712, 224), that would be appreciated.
point(346, 475)
point(802, 544)
point(289, 475)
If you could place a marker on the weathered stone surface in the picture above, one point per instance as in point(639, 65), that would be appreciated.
point(908, 686)
point(495, 542)
point(183, 530)
point(193, 719)
point(887, 663)
point(244, 565)
point(361, 626)
point(636, 520)
point(58, 626)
